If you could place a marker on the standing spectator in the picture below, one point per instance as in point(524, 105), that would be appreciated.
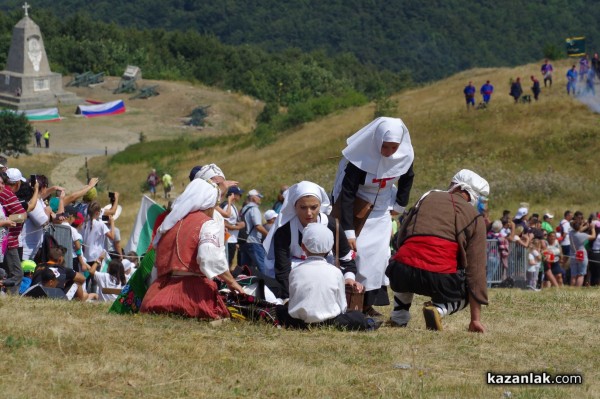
point(584, 66)
point(516, 90)
point(547, 72)
point(552, 270)
point(9, 201)
point(571, 80)
point(38, 138)
point(534, 262)
point(167, 182)
point(280, 197)
point(233, 223)
point(578, 263)
point(270, 217)
point(486, 91)
point(547, 223)
point(535, 88)
point(589, 82)
point(565, 242)
point(469, 95)
point(47, 138)
point(595, 253)
point(253, 252)
point(152, 181)
point(596, 65)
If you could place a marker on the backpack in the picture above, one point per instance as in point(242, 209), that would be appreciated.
point(244, 233)
point(42, 255)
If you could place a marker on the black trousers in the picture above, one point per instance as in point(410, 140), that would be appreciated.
point(352, 321)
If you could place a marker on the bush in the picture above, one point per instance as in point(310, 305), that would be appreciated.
point(15, 133)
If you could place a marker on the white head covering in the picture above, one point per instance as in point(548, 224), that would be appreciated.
point(208, 172)
point(198, 195)
point(317, 238)
point(288, 209)
point(364, 148)
point(472, 183)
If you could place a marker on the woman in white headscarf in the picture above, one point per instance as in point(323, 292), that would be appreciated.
point(377, 156)
point(188, 256)
point(304, 203)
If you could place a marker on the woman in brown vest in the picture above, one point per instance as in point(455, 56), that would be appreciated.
point(188, 257)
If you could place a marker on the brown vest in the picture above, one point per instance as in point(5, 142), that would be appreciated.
point(178, 248)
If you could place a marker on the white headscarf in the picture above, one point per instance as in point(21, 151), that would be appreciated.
point(364, 148)
point(472, 183)
point(198, 196)
point(288, 209)
point(209, 171)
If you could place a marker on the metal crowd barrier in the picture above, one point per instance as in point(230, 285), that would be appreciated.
point(515, 266)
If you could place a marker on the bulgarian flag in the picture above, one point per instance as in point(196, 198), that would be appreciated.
point(141, 235)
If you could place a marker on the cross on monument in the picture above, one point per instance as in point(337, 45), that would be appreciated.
point(26, 7)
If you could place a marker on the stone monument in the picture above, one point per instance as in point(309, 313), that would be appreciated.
point(27, 82)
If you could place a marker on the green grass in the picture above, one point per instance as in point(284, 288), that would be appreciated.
point(79, 350)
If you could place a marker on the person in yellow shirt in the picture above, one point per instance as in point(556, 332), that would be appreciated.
point(167, 182)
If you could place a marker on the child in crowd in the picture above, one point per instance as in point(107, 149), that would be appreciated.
point(114, 278)
point(317, 290)
point(28, 267)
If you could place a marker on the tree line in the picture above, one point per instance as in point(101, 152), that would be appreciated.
point(431, 39)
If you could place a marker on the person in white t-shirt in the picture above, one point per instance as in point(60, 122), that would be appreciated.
point(113, 278)
point(317, 289)
point(232, 223)
point(95, 231)
point(565, 241)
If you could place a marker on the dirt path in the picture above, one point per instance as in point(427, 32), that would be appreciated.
point(64, 174)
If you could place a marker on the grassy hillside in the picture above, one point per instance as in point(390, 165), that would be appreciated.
point(542, 153)
point(79, 350)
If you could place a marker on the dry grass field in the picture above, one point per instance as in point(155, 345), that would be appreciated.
point(54, 349)
point(543, 153)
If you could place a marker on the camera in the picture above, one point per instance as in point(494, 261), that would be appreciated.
point(105, 218)
point(111, 197)
point(32, 180)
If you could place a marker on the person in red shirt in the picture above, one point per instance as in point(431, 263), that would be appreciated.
point(14, 211)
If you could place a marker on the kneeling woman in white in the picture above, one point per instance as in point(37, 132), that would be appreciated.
point(317, 293)
point(304, 203)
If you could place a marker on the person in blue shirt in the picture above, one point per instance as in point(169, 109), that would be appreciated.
point(470, 95)
point(486, 91)
point(571, 80)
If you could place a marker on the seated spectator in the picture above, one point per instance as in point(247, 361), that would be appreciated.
point(68, 280)
point(113, 278)
point(317, 288)
point(28, 267)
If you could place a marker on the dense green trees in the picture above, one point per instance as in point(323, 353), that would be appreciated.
point(432, 39)
point(15, 133)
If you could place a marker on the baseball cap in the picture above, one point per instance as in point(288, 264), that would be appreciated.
point(548, 215)
point(234, 190)
point(255, 192)
point(28, 266)
point(14, 175)
point(521, 212)
point(270, 214)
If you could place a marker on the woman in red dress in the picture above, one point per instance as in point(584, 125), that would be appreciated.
point(188, 257)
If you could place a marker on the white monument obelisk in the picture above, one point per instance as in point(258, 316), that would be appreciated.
point(27, 82)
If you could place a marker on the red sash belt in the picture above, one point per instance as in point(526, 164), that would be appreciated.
point(429, 253)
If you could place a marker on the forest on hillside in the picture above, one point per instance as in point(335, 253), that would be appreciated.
point(431, 39)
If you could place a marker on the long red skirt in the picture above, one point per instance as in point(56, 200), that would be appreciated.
point(191, 296)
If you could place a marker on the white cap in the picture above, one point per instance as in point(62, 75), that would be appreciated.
point(270, 214)
point(317, 238)
point(254, 192)
point(14, 175)
point(521, 212)
point(548, 215)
